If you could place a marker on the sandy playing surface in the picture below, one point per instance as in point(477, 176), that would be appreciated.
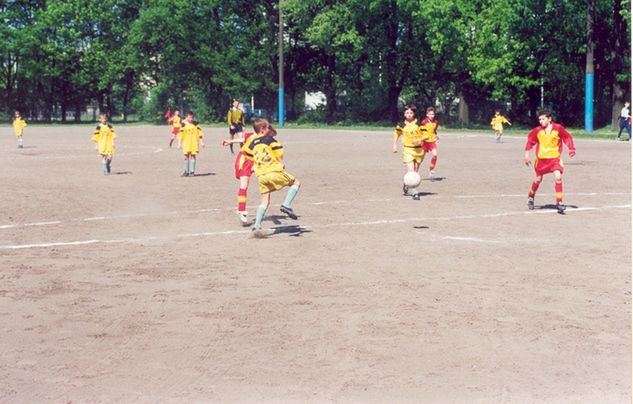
point(142, 287)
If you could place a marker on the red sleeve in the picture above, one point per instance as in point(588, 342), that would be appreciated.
point(566, 138)
point(532, 138)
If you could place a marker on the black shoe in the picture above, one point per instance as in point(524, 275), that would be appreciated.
point(185, 174)
point(416, 196)
point(561, 208)
point(405, 190)
point(531, 203)
point(192, 174)
point(288, 211)
point(231, 147)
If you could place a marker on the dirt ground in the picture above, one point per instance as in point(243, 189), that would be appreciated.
point(142, 286)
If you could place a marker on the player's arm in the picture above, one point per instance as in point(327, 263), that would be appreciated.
point(568, 140)
point(531, 141)
point(396, 134)
point(278, 150)
point(226, 142)
point(228, 119)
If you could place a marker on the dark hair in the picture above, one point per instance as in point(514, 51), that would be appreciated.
point(189, 113)
point(259, 124)
point(430, 109)
point(546, 112)
point(235, 100)
point(412, 108)
point(498, 110)
point(271, 131)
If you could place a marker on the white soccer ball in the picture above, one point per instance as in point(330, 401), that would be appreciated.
point(412, 179)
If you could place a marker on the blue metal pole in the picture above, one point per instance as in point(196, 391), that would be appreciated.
point(589, 102)
point(281, 107)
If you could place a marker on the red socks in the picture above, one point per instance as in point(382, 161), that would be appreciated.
point(559, 192)
point(533, 190)
point(433, 162)
point(241, 200)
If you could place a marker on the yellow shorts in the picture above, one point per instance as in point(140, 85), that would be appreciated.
point(498, 128)
point(410, 154)
point(274, 181)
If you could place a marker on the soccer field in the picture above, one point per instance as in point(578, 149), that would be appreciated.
point(142, 286)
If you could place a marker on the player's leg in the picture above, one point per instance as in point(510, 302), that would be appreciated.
point(621, 125)
point(241, 199)
point(261, 210)
point(192, 164)
point(533, 189)
point(412, 166)
point(558, 187)
point(109, 163)
point(498, 134)
point(433, 163)
point(290, 196)
point(104, 164)
point(20, 142)
point(185, 167)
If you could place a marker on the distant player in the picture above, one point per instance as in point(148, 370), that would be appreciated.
point(190, 140)
point(267, 154)
point(243, 172)
point(412, 139)
point(497, 124)
point(624, 122)
point(176, 123)
point(548, 139)
point(235, 120)
point(104, 136)
point(18, 126)
point(429, 129)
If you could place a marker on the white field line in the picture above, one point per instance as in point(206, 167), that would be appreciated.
point(331, 225)
point(475, 239)
point(336, 202)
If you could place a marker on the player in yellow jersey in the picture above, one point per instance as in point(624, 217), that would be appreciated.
point(190, 140)
point(497, 124)
point(412, 139)
point(104, 136)
point(235, 120)
point(429, 127)
point(267, 153)
point(18, 127)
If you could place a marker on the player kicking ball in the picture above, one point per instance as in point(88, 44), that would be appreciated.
point(266, 154)
point(548, 139)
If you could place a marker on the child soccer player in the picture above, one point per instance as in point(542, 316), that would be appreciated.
point(548, 138)
point(190, 140)
point(104, 136)
point(267, 154)
point(18, 126)
point(176, 123)
point(412, 139)
point(235, 119)
point(429, 129)
point(497, 124)
point(243, 172)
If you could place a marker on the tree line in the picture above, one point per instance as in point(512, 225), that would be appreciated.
point(367, 57)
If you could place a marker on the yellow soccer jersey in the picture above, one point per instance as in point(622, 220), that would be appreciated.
point(18, 126)
point(429, 128)
point(104, 136)
point(176, 122)
point(499, 120)
point(411, 134)
point(235, 116)
point(266, 153)
point(189, 136)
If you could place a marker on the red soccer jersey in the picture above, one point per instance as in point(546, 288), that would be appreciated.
point(549, 144)
point(429, 128)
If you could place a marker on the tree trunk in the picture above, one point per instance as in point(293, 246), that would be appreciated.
point(463, 116)
point(330, 89)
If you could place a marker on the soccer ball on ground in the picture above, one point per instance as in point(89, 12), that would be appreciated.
point(412, 179)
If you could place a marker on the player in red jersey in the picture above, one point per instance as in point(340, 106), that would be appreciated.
point(243, 172)
point(429, 127)
point(548, 138)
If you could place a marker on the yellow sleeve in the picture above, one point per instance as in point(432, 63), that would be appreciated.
point(228, 118)
point(113, 133)
point(248, 151)
point(278, 150)
point(506, 121)
point(242, 119)
point(95, 135)
point(397, 133)
point(199, 129)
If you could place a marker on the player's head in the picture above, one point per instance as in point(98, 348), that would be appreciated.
point(17, 113)
point(545, 117)
point(103, 118)
point(409, 112)
point(261, 126)
point(626, 104)
point(497, 112)
point(189, 116)
point(235, 102)
point(430, 113)
point(176, 112)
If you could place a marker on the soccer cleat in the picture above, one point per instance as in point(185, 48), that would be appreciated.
point(416, 196)
point(531, 203)
point(288, 211)
point(561, 208)
point(259, 233)
point(431, 174)
point(184, 174)
point(244, 218)
point(192, 174)
point(405, 190)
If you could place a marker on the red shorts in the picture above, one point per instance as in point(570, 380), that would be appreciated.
point(428, 146)
point(243, 166)
point(175, 131)
point(546, 166)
